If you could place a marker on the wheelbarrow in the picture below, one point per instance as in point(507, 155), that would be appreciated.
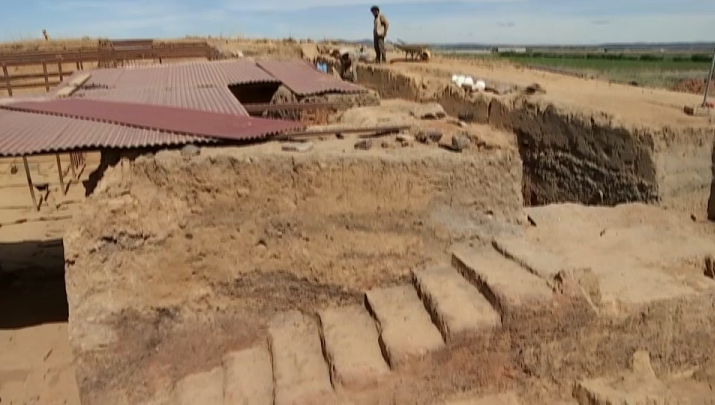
point(414, 51)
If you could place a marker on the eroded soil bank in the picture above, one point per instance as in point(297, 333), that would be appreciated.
point(176, 261)
point(573, 155)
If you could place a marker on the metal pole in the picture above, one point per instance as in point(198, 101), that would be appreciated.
point(707, 82)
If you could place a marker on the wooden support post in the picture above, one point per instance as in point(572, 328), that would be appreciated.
point(7, 79)
point(29, 183)
point(707, 82)
point(77, 62)
point(47, 77)
point(59, 171)
point(59, 69)
point(73, 164)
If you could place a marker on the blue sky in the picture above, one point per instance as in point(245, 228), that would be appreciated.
point(484, 21)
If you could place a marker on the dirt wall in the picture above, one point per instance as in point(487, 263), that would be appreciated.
point(684, 164)
point(175, 251)
point(577, 156)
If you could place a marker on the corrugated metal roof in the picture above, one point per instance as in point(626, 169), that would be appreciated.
point(170, 119)
point(211, 99)
point(178, 75)
point(304, 80)
point(26, 134)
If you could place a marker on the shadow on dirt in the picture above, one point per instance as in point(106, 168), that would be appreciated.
point(32, 284)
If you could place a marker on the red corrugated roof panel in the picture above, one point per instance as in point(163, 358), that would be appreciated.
point(178, 75)
point(304, 80)
point(170, 119)
point(237, 71)
point(211, 99)
point(26, 134)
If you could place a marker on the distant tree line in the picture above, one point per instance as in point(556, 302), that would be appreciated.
point(649, 57)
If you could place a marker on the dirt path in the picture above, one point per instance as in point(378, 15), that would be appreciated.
point(36, 361)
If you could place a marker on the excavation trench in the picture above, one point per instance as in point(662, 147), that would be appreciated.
point(577, 156)
point(176, 261)
point(208, 249)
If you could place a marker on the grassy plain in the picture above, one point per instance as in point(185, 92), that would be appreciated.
point(651, 71)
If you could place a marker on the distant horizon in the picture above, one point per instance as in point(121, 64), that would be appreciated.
point(685, 44)
point(704, 44)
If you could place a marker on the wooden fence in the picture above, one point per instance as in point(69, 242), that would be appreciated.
point(107, 54)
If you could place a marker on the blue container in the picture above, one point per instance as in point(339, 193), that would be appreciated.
point(323, 67)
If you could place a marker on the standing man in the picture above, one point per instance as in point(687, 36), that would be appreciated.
point(379, 33)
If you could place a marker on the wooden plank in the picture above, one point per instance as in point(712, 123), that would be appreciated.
point(94, 54)
point(46, 76)
point(29, 85)
point(59, 172)
point(29, 183)
point(7, 80)
point(40, 75)
point(73, 85)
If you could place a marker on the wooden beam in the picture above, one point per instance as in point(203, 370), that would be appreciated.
point(28, 85)
point(73, 85)
point(47, 77)
point(7, 80)
point(29, 183)
point(41, 75)
point(59, 172)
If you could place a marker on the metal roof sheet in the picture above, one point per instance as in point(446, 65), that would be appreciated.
point(170, 119)
point(26, 134)
point(211, 99)
point(177, 75)
point(304, 80)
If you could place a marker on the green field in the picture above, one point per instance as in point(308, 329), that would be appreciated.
point(645, 70)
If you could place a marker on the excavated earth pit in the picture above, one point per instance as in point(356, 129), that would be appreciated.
point(402, 274)
point(573, 154)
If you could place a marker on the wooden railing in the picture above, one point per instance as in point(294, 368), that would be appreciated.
point(107, 54)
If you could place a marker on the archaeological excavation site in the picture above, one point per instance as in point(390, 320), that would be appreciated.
point(549, 242)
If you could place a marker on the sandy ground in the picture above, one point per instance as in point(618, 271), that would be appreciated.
point(36, 362)
point(633, 105)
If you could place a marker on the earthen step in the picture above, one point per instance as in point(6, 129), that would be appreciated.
point(508, 286)
point(508, 398)
point(536, 260)
point(457, 307)
point(406, 330)
point(204, 388)
point(248, 377)
point(352, 347)
point(300, 373)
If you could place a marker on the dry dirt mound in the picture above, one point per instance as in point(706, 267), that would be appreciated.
point(205, 249)
point(506, 310)
point(695, 86)
point(279, 49)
